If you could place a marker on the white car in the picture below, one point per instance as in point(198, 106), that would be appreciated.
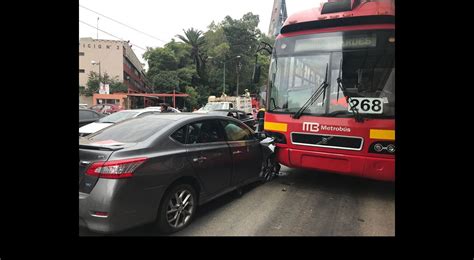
point(170, 108)
point(115, 118)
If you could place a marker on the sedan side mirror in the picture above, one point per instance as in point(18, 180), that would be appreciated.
point(260, 135)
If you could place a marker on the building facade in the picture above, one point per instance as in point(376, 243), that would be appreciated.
point(279, 15)
point(116, 58)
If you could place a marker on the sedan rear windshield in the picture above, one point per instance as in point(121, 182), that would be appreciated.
point(131, 131)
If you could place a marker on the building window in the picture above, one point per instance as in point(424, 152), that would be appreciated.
point(81, 53)
point(82, 71)
point(126, 76)
point(129, 65)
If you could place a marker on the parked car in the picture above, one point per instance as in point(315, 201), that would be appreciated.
point(237, 114)
point(172, 109)
point(160, 168)
point(83, 106)
point(113, 119)
point(87, 116)
point(106, 108)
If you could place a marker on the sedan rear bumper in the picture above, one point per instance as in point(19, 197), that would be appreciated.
point(114, 206)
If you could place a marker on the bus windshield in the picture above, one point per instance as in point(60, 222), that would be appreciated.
point(363, 61)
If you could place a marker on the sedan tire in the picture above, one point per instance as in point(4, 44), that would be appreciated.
point(270, 169)
point(177, 208)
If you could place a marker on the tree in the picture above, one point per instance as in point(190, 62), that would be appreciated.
point(203, 94)
point(161, 59)
point(188, 62)
point(118, 87)
point(194, 39)
point(192, 100)
point(232, 38)
point(181, 52)
point(115, 86)
point(165, 81)
point(81, 90)
point(93, 83)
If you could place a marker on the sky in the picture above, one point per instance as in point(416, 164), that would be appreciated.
point(163, 20)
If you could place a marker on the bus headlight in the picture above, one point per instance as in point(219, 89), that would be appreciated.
point(391, 148)
point(378, 147)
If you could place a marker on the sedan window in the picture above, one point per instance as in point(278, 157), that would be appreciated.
point(236, 132)
point(180, 135)
point(204, 132)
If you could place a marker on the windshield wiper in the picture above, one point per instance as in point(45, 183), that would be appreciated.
point(321, 89)
point(272, 83)
point(358, 117)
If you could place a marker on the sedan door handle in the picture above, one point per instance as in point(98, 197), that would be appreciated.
point(199, 159)
point(237, 152)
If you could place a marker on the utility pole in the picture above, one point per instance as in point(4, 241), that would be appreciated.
point(97, 28)
point(238, 74)
point(223, 85)
point(236, 57)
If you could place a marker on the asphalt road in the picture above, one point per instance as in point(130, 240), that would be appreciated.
point(299, 203)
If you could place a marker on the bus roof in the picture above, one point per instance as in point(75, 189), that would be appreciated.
point(337, 13)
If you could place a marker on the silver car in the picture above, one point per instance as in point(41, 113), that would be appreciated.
point(160, 168)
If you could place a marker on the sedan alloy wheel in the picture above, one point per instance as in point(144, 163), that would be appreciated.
point(180, 208)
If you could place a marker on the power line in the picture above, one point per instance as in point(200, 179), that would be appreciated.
point(111, 34)
point(123, 24)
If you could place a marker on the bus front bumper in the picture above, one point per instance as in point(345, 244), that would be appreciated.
point(382, 169)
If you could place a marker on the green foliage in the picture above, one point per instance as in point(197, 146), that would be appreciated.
point(193, 38)
point(161, 59)
point(115, 86)
point(181, 52)
point(93, 82)
point(81, 90)
point(118, 87)
point(192, 100)
point(197, 59)
point(165, 81)
point(204, 93)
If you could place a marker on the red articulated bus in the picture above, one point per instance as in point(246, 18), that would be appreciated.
point(331, 95)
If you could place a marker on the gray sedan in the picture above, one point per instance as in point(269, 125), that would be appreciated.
point(160, 168)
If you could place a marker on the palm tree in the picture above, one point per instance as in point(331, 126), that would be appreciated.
point(194, 38)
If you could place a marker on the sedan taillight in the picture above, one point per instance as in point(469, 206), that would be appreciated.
point(117, 169)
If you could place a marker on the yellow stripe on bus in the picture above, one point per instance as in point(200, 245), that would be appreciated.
point(282, 127)
point(382, 134)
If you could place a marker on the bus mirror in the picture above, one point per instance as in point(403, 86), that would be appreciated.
point(256, 73)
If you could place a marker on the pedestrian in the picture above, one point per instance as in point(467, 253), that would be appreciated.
point(165, 108)
point(260, 119)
